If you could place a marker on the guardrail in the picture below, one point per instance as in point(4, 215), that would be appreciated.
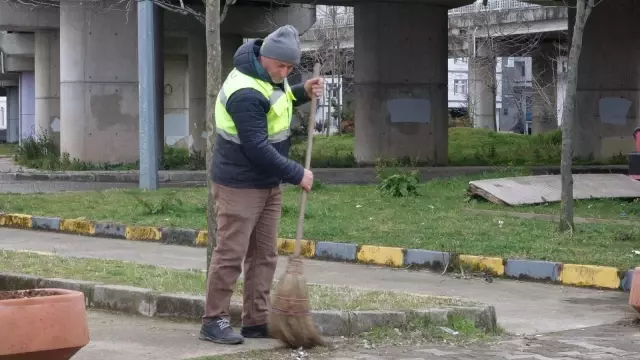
point(344, 20)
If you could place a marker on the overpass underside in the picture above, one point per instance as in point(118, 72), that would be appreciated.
point(86, 67)
point(76, 68)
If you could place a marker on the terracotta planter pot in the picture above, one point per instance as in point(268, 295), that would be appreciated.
point(634, 296)
point(41, 324)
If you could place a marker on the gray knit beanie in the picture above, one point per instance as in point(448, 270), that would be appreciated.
point(283, 44)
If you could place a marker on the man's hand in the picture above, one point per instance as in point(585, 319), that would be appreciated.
point(314, 86)
point(307, 180)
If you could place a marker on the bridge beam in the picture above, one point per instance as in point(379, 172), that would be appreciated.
point(401, 82)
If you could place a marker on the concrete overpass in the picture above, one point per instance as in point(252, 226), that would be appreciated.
point(513, 20)
point(401, 74)
point(401, 79)
point(77, 65)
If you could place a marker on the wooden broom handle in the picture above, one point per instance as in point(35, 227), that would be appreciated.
point(307, 162)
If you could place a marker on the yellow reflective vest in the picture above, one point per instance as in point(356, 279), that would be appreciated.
point(278, 117)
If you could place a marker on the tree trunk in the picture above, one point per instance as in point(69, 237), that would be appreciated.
point(214, 81)
point(583, 10)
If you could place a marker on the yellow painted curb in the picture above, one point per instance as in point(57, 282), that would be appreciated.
point(381, 255)
point(202, 239)
point(77, 226)
point(143, 233)
point(493, 265)
point(589, 275)
point(287, 246)
point(16, 220)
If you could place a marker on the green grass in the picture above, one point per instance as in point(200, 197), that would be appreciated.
point(328, 151)
point(436, 220)
point(193, 282)
point(467, 147)
point(7, 149)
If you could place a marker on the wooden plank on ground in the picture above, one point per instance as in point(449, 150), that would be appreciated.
point(526, 190)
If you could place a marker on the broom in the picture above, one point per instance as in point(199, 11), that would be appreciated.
point(290, 320)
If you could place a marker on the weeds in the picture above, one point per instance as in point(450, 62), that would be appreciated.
point(395, 182)
point(164, 205)
point(418, 330)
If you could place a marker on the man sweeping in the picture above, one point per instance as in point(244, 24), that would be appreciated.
point(253, 115)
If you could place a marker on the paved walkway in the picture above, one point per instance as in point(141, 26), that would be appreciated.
point(601, 342)
point(522, 307)
point(117, 337)
point(25, 187)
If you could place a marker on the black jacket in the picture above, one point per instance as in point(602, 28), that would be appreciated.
point(255, 163)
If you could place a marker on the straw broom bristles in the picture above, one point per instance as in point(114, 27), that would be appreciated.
point(290, 319)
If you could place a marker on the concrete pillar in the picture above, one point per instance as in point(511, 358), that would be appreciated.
point(27, 105)
point(401, 82)
point(607, 103)
point(197, 72)
point(544, 104)
point(13, 114)
point(47, 86)
point(99, 82)
point(159, 39)
point(482, 88)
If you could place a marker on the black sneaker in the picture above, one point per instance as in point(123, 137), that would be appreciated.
point(219, 331)
point(255, 332)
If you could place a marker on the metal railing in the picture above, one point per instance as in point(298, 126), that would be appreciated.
point(492, 5)
point(344, 20)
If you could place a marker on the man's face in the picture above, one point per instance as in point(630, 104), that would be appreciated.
point(276, 69)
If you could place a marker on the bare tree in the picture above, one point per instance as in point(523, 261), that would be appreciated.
point(214, 82)
point(484, 34)
point(333, 39)
point(583, 10)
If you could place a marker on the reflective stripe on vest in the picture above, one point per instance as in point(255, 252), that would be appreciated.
point(278, 117)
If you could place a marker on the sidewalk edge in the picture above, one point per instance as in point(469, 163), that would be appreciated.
point(593, 276)
point(149, 303)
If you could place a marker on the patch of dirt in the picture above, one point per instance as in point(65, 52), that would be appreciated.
point(12, 295)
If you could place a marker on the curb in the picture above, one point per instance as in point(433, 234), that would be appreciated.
point(149, 303)
point(356, 175)
point(601, 277)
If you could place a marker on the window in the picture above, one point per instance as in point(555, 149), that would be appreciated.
point(459, 60)
point(3, 124)
point(505, 111)
point(521, 65)
point(459, 87)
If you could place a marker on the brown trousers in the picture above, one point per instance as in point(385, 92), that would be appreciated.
point(248, 222)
